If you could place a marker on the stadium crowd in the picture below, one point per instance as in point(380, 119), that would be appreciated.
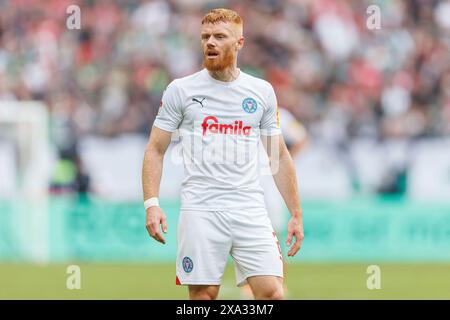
point(338, 77)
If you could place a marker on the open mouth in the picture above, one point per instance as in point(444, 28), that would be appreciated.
point(212, 54)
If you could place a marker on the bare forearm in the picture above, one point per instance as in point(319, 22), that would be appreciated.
point(286, 181)
point(151, 172)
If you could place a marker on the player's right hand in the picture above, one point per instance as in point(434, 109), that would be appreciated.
point(156, 217)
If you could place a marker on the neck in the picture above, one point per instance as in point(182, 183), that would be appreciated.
point(226, 75)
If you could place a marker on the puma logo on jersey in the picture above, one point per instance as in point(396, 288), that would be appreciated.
point(201, 102)
point(214, 126)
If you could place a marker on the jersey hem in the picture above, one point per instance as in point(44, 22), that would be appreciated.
point(270, 133)
point(162, 127)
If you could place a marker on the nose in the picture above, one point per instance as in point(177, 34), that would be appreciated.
point(210, 43)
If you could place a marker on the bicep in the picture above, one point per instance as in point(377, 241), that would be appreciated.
point(274, 145)
point(159, 140)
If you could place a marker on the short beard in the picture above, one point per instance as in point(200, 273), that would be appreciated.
point(219, 64)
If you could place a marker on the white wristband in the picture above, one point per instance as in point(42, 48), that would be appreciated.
point(152, 202)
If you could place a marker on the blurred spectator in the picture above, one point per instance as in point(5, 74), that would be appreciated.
point(340, 79)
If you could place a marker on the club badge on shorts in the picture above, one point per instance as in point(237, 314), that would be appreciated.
point(249, 105)
point(188, 265)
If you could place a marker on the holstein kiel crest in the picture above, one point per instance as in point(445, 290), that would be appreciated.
point(188, 265)
point(249, 105)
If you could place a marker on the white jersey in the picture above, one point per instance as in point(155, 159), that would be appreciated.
point(219, 126)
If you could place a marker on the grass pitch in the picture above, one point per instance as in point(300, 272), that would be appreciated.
point(157, 281)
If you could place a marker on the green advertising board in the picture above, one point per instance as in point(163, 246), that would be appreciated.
point(81, 228)
point(9, 249)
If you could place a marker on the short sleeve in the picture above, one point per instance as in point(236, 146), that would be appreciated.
point(270, 123)
point(170, 110)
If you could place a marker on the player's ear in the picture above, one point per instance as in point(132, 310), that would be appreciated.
point(239, 43)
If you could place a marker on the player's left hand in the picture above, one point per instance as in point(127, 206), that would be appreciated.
point(294, 228)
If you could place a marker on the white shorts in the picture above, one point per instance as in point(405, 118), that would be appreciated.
point(206, 239)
